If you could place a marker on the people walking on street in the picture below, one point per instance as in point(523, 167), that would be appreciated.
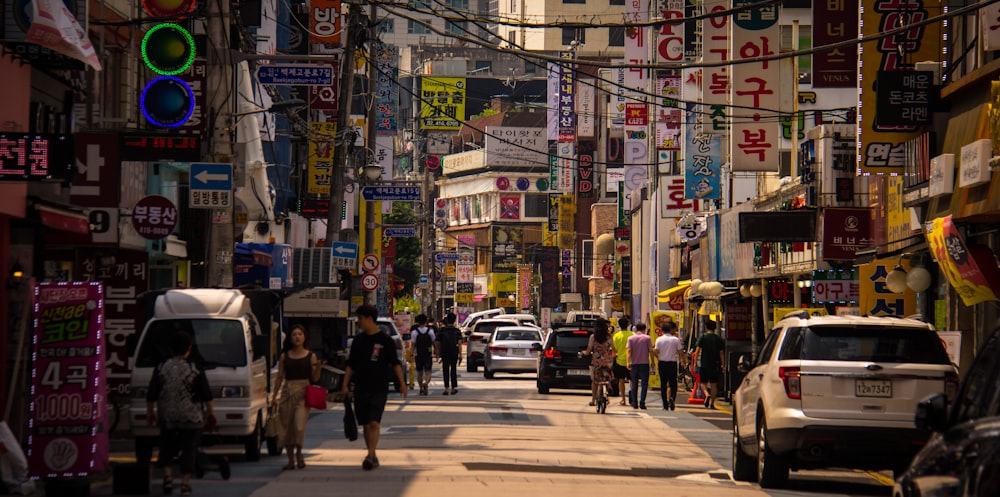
point(639, 349)
point(669, 352)
point(370, 362)
point(601, 350)
point(183, 401)
point(449, 341)
point(711, 349)
point(620, 369)
point(425, 349)
point(297, 368)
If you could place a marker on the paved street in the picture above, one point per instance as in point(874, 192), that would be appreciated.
point(501, 438)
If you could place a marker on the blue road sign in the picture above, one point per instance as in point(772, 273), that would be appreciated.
point(399, 232)
point(211, 185)
point(390, 193)
point(295, 75)
point(445, 256)
point(345, 255)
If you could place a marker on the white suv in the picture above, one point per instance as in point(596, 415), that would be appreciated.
point(832, 391)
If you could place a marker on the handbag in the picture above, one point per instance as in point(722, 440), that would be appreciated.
point(350, 423)
point(315, 397)
point(271, 428)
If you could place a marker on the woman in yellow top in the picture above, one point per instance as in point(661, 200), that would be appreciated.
point(297, 367)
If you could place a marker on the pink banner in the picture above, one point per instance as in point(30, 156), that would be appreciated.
point(53, 26)
point(67, 425)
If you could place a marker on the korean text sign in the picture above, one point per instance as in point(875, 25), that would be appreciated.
point(67, 434)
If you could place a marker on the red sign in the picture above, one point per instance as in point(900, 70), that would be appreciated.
point(154, 217)
point(67, 435)
point(35, 157)
point(325, 22)
point(739, 321)
point(608, 271)
point(845, 231)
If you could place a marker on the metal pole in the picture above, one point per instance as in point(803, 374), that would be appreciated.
point(219, 263)
point(342, 144)
point(370, 143)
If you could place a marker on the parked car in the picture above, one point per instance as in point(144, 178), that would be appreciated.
point(524, 319)
point(475, 349)
point(559, 363)
point(512, 349)
point(835, 391)
point(472, 319)
point(961, 458)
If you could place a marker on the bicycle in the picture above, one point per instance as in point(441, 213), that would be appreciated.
point(602, 389)
point(684, 377)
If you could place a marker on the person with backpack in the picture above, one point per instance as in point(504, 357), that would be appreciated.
point(449, 343)
point(424, 352)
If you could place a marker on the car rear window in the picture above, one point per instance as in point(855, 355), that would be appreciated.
point(518, 335)
point(568, 340)
point(864, 343)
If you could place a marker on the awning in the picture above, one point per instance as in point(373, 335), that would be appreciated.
point(63, 220)
point(665, 295)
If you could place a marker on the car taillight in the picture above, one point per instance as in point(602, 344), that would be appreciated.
point(793, 385)
point(951, 386)
point(553, 354)
point(494, 348)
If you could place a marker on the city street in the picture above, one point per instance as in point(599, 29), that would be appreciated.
point(500, 437)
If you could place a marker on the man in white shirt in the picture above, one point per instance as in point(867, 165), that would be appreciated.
point(669, 351)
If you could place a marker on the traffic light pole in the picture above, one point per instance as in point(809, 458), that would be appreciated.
point(221, 242)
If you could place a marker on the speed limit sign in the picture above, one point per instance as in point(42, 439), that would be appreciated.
point(369, 282)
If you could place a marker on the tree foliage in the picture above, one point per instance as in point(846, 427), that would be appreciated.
point(408, 250)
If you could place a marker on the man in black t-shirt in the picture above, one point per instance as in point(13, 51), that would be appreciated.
point(449, 340)
point(711, 352)
point(372, 358)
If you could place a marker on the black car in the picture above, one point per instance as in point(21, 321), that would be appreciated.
point(559, 363)
point(962, 458)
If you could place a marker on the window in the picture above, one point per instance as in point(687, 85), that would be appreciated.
point(536, 205)
point(484, 67)
point(616, 2)
point(457, 27)
point(387, 26)
point(587, 254)
point(569, 35)
point(868, 343)
point(414, 28)
point(805, 43)
point(217, 342)
point(575, 1)
point(616, 36)
point(512, 37)
point(768, 348)
point(530, 67)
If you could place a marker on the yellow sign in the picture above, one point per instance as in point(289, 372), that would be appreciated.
point(442, 102)
point(567, 228)
point(875, 298)
point(959, 266)
point(897, 217)
point(320, 161)
point(502, 283)
point(781, 312)
point(657, 318)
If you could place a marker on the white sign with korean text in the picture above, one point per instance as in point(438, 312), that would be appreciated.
point(756, 88)
point(673, 201)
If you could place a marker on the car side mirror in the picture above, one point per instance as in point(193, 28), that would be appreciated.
point(746, 363)
point(932, 413)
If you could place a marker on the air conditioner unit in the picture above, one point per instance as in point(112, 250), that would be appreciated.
point(312, 300)
point(314, 265)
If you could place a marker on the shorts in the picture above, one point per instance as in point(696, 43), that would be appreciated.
point(369, 407)
point(621, 372)
point(710, 375)
point(423, 363)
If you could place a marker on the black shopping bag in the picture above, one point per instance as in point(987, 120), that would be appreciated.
point(350, 423)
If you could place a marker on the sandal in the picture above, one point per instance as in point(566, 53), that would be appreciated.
point(168, 484)
point(592, 403)
point(185, 489)
point(301, 463)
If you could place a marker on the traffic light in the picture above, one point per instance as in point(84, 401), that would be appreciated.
point(167, 50)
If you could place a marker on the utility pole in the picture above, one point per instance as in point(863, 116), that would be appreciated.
point(219, 260)
point(370, 146)
point(344, 138)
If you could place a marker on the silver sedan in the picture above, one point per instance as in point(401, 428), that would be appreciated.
point(512, 349)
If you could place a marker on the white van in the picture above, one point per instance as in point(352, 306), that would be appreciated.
point(235, 348)
point(471, 319)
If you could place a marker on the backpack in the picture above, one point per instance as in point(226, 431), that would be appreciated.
point(425, 344)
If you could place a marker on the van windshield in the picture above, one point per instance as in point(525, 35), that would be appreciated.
point(217, 342)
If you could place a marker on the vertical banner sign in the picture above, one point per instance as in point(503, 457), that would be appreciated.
point(553, 173)
point(586, 103)
point(566, 260)
point(548, 264)
point(552, 101)
point(875, 298)
point(675, 204)
point(715, 80)
point(636, 44)
point(566, 166)
point(465, 288)
point(567, 230)
point(320, 162)
point(703, 162)
point(67, 434)
point(616, 111)
point(585, 168)
point(325, 22)
point(670, 40)
point(523, 286)
point(668, 112)
point(567, 97)
point(442, 104)
point(387, 65)
point(834, 22)
point(197, 80)
point(554, 212)
point(883, 146)
point(959, 266)
point(755, 89)
point(636, 145)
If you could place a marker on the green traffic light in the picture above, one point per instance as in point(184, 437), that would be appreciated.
point(168, 49)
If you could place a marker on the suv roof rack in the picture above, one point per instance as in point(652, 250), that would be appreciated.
point(798, 314)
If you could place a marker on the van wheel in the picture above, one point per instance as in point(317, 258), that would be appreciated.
point(144, 449)
point(253, 442)
point(772, 469)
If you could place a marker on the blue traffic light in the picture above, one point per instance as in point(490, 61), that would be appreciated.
point(167, 101)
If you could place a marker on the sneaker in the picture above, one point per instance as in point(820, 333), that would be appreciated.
point(454, 391)
point(445, 392)
point(642, 406)
point(672, 406)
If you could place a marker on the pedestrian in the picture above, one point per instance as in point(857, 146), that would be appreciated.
point(297, 368)
point(711, 348)
point(601, 349)
point(449, 342)
point(669, 352)
point(639, 349)
point(183, 400)
point(620, 340)
point(370, 362)
point(424, 352)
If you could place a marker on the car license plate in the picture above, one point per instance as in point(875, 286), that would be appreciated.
point(873, 388)
point(517, 351)
point(579, 372)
